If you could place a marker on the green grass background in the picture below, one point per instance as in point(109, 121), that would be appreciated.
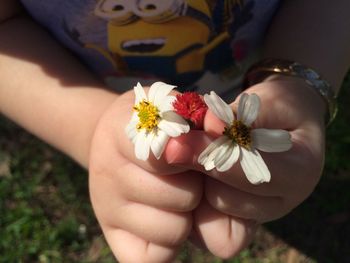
point(45, 214)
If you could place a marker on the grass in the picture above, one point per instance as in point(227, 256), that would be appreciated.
point(45, 214)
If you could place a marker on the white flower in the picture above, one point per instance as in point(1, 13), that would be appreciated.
point(240, 141)
point(154, 120)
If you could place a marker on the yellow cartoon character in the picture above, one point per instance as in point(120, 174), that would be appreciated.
point(165, 38)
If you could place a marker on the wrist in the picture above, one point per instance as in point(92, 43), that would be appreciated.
point(267, 67)
point(289, 103)
point(86, 127)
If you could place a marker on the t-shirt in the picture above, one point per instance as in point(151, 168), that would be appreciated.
point(195, 44)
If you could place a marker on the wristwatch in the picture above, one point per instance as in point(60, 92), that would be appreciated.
point(261, 70)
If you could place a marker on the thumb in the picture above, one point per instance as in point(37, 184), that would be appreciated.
point(213, 125)
point(185, 149)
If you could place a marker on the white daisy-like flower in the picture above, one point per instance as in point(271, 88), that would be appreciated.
point(154, 121)
point(240, 141)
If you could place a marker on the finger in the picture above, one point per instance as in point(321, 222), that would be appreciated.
point(234, 202)
point(288, 169)
point(130, 248)
point(175, 192)
point(224, 236)
point(150, 223)
point(197, 141)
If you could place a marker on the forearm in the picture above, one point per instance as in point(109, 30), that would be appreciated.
point(314, 33)
point(47, 91)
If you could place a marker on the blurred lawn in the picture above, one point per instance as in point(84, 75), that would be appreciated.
point(45, 214)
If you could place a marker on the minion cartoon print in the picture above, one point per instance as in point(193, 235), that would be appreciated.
point(171, 40)
point(195, 44)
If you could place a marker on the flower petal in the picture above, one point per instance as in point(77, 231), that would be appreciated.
point(219, 107)
point(167, 104)
point(230, 160)
point(254, 166)
point(142, 145)
point(271, 140)
point(209, 162)
point(131, 131)
point(173, 124)
point(158, 143)
point(248, 108)
point(158, 92)
point(140, 94)
point(203, 158)
point(224, 151)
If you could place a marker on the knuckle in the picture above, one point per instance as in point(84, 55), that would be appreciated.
point(180, 231)
point(235, 205)
point(190, 201)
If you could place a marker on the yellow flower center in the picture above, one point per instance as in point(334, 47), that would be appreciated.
point(148, 115)
point(239, 133)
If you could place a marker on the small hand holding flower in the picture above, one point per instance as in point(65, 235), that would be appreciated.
point(225, 220)
point(144, 206)
point(288, 129)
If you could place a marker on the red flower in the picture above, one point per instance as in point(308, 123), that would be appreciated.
point(191, 107)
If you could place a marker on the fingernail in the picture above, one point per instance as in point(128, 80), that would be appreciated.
point(178, 153)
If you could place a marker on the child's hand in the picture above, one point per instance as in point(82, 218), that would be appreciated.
point(225, 220)
point(144, 208)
